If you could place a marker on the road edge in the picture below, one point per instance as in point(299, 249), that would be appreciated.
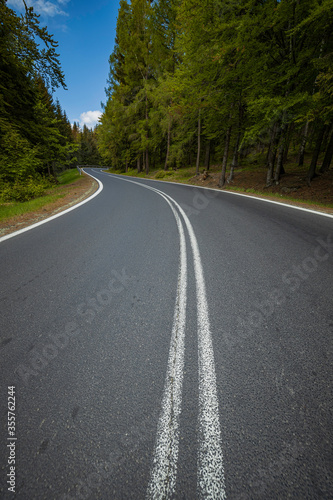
point(55, 216)
point(296, 207)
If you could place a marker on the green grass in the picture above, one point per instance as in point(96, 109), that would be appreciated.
point(309, 202)
point(68, 176)
point(132, 172)
point(16, 208)
point(19, 208)
point(277, 195)
point(234, 188)
point(162, 174)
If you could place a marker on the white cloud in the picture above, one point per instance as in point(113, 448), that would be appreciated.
point(43, 7)
point(89, 118)
point(17, 4)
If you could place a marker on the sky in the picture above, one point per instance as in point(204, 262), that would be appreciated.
point(85, 31)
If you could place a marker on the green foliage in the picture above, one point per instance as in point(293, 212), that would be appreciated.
point(24, 43)
point(68, 176)
point(258, 71)
point(19, 159)
point(161, 174)
point(35, 134)
point(29, 188)
point(22, 192)
point(84, 150)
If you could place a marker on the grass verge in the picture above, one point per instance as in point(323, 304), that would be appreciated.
point(17, 208)
point(68, 176)
point(20, 208)
point(276, 196)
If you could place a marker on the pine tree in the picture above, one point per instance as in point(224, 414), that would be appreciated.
point(29, 67)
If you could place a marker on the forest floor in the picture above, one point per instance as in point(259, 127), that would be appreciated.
point(292, 188)
point(66, 196)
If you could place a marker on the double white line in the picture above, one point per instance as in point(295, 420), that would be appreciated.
point(162, 482)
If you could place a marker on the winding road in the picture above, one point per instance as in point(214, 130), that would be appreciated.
point(168, 342)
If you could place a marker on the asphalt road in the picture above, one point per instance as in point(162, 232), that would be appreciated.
point(165, 341)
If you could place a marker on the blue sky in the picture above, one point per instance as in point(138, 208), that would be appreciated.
point(85, 31)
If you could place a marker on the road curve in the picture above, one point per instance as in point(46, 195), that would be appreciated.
point(166, 341)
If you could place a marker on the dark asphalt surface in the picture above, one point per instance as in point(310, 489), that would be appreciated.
point(87, 303)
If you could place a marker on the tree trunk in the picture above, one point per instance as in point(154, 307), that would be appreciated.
point(281, 150)
point(275, 139)
point(270, 169)
point(312, 168)
point(147, 161)
point(287, 145)
point(234, 163)
point(207, 155)
point(306, 129)
point(303, 143)
point(199, 144)
point(147, 134)
point(225, 157)
point(126, 165)
point(328, 156)
point(138, 163)
point(279, 164)
point(326, 137)
point(166, 166)
point(268, 152)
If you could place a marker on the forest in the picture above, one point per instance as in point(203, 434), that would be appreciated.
point(191, 83)
point(196, 82)
point(37, 141)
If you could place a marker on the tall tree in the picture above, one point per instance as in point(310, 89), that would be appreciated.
point(29, 66)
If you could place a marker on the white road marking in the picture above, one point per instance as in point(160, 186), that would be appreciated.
point(211, 483)
point(225, 191)
point(164, 472)
point(44, 221)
